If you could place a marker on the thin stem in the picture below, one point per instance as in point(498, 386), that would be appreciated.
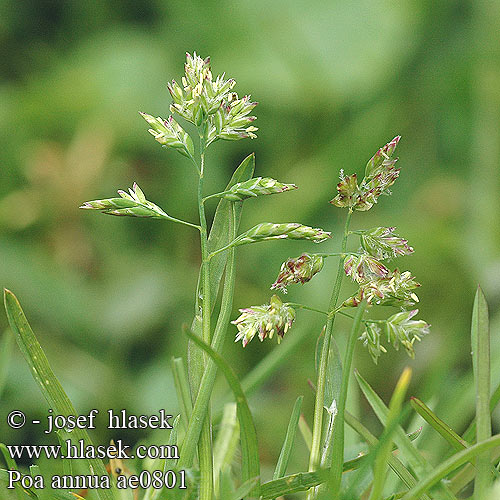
point(314, 458)
point(337, 254)
point(208, 379)
point(307, 308)
point(205, 443)
point(180, 221)
point(338, 431)
point(222, 249)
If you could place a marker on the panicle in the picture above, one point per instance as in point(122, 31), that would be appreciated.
point(399, 329)
point(210, 103)
point(256, 187)
point(298, 270)
point(133, 203)
point(291, 230)
point(170, 134)
point(380, 175)
point(363, 268)
point(382, 243)
point(264, 320)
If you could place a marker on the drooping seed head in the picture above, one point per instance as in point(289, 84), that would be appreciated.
point(264, 320)
point(298, 270)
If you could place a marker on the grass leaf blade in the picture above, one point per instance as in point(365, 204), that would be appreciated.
point(480, 340)
point(47, 382)
point(248, 434)
point(438, 425)
point(291, 431)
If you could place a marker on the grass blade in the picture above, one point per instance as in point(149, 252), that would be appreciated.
point(338, 430)
point(305, 430)
point(470, 434)
point(248, 435)
point(46, 380)
point(245, 488)
point(302, 481)
point(455, 461)
point(414, 457)
point(182, 388)
point(6, 344)
point(394, 463)
point(438, 425)
point(11, 465)
point(226, 442)
point(291, 431)
point(395, 406)
point(480, 340)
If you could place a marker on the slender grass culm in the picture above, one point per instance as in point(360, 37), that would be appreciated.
point(389, 466)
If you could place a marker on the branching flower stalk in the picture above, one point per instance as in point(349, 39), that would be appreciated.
point(218, 114)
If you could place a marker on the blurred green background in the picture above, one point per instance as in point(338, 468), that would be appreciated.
point(335, 80)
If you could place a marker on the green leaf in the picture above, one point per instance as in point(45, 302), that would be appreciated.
point(46, 380)
point(470, 434)
point(443, 470)
point(245, 488)
point(248, 436)
point(338, 430)
point(438, 425)
point(220, 231)
point(11, 465)
point(182, 387)
point(43, 493)
point(382, 457)
point(6, 344)
point(291, 431)
point(480, 340)
point(302, 481)
point(305, 430)
point(394, 463)
point(226, 443)
point(414, 457)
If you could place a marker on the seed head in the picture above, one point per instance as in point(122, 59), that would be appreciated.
point(364, 268)
point(400, 329)
point(382, 243)
point(256, 187)
point(298, 270)
point(266, 320)
point(291, 230)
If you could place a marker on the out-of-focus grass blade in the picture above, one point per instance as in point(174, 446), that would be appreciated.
point(46, 380)
point(480, 340)
point(338, 430)
point(226, 484)
point(245, 489)
point(305, 430)
point(56, 494)
point(248, 436)
point(11, 465)
point(382, 457)
point(405, 446)
point(413, 456)
point(182, 388)
point(6, 343)
point(394, 463)
point(291, 431)
point(42, 493)
point(168, 463)
point(226, 442)
point(470, 434)
point(443, 470)
point(293, 483)
point(438, 425)
point(467, 473)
